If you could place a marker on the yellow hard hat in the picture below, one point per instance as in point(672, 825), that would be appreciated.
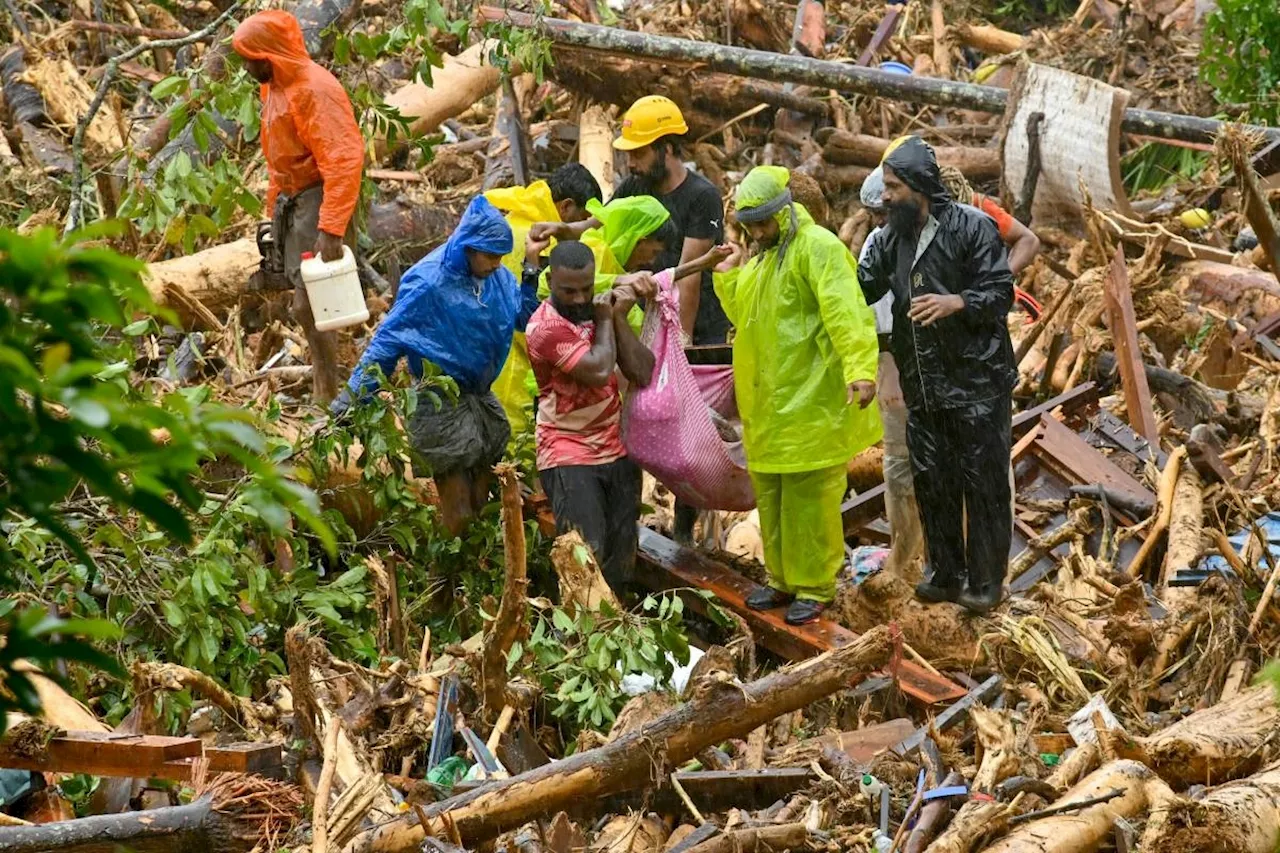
point(649, 119)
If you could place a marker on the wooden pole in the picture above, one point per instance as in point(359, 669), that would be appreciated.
point(842, 77)
point(717, 712)
point(1124, 333)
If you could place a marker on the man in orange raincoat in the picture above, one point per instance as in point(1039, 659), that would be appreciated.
point(315, 156)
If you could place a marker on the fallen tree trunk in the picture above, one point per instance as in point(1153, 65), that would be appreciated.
point(787, 836)
point(717, 711)
point(842, 77)
point(1240, 817)
point(988, 39)
point(1085, 829)
point(216, 276)
point(1186, 523)
point(859, 149)
point(178, 829)
point(463, 80)
point(1220, 743)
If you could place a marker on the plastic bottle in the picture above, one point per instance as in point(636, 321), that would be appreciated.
point(870, 786)
point(881, 842)
point(333, 288)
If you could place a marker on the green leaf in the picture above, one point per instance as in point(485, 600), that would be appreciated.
point(173, 614)
point(137, 327)
point(168, 87)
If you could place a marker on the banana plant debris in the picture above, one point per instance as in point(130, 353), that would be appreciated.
point(1121, 696)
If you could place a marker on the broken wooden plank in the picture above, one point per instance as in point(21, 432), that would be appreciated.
point(672, 567)
point(866, 743)
point(103, 754)
point(951, 715)
point(1124, 332)
point(257, 759)
point(1077, 462)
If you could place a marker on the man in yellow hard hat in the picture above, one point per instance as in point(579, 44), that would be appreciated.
point(651, 134)
point(652, 131)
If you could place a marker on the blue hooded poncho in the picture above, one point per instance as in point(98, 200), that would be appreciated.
point(445, 315)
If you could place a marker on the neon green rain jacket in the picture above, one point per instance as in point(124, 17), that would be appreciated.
point(804, 332)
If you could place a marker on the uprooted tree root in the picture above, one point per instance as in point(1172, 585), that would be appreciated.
point(943, 633)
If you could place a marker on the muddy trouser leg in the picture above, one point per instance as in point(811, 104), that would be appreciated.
point(301, 229)
point(939, 482)
point(906, 538)
point(578, 498)
point(986, 432)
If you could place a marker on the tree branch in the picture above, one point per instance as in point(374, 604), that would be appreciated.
point(104, 85)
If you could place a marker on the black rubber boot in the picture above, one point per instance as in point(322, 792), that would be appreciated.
point(803, 611)
point(767, 598)
point(934, 589)
point(983, 592)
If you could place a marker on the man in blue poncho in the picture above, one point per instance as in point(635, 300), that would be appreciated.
point(456, 308)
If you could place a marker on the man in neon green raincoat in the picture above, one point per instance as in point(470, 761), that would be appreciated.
point(804, 363)
point(563, 198)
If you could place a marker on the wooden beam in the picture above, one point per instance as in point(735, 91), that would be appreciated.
point(1079, 463)
point(104, 754)
point(1124, 332)
point(668, 566)
point(257, 759)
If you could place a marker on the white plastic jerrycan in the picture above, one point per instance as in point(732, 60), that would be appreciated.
point(333, 287)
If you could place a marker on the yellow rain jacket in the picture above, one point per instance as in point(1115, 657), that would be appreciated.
point(522, 206)
point(804, 332)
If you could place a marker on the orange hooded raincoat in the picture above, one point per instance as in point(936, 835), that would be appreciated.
point(309, 132)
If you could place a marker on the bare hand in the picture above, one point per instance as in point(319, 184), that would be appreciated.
point(533, 249)
point(603, 304)
point(864, 392)
point(728, 256)
point(329, 247)
point(643, 284)
point(932, 307)
point(624, 298)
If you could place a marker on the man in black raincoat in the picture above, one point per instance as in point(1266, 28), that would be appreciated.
point(949, 274)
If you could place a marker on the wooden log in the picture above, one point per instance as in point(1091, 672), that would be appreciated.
point(1124, 332)
point(1239, 817)
point(1164, 510)
point(1085, 829)
point(786, 836)
point(216, 276)
point(595, 146)
point(177, 829)
point(511, 612)
point(842, 77)
point(581, 581)
point(941, 42)
point(988, 39)
point(1226, 741)
point(857, 149)
point(463, 80)
point(716, 712)
point(506, 161)
point(1186, 524)
point(1210, 281)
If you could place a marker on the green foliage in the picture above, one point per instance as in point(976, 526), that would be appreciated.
point(1025, 12)
point(1240, 56)
point(79, 441)
point(1154, 165)
point(1270, 674)
point(580, 657)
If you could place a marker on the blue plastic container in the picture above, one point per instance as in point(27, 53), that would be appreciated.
point(896, 68)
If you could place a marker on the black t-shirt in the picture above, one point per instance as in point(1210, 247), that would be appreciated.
point(697, 213)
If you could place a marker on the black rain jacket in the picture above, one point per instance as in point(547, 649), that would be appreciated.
point(965, 358)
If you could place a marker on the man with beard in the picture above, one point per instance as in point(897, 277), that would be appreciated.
point(651, 133)
point(948, 271)
point(804, 365)
point(576, 340)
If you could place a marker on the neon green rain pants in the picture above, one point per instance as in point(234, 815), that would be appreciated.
point(801, 529)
